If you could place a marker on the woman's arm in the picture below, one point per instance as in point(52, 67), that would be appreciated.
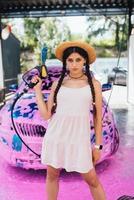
point(97, 120)
point(44, 108)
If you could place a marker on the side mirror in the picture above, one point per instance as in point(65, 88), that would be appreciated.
point(106, 86)
point(13, 87)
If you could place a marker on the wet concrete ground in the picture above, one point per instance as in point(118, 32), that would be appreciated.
point(116, 173)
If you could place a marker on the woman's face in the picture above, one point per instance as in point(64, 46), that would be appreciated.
point(75, 63)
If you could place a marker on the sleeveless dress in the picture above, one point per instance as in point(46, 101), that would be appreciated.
point(66, 143)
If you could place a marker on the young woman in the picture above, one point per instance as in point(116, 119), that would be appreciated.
point(66, 143)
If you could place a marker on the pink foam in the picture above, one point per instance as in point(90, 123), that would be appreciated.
point(116, 174)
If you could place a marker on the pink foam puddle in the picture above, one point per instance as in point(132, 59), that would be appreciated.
point(116, 174)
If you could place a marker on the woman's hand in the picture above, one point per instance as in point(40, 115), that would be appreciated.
point(96, 155)
point(37, 79)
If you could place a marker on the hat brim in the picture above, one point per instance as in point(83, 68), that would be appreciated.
point(88, 48)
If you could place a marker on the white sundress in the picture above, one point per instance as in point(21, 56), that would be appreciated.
point(66, 143)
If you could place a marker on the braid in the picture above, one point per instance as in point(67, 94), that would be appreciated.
point(58, 87)
point(88, 74)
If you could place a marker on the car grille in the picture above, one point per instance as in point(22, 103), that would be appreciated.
point(30, 129)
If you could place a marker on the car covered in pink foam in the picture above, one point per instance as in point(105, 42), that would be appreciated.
point(22, 128)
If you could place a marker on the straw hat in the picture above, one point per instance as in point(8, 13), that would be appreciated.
point(64, 45)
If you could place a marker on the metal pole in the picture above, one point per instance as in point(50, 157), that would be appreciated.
point(129, 17)
point(1, 60)
point(0, 26)
point(130, 79)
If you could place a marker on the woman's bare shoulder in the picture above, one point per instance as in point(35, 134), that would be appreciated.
point(97, 84)
point(55, 83)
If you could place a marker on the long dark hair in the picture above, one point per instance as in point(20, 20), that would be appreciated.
point(84, 54)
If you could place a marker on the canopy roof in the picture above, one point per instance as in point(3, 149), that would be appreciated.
point(40, 8)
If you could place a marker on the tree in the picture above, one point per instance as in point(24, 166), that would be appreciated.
point(44, 32)
point(116, 26)
point(35, 33)
point(30, 40)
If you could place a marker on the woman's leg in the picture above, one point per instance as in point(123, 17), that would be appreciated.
point(52, 182)
point(94, 184)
